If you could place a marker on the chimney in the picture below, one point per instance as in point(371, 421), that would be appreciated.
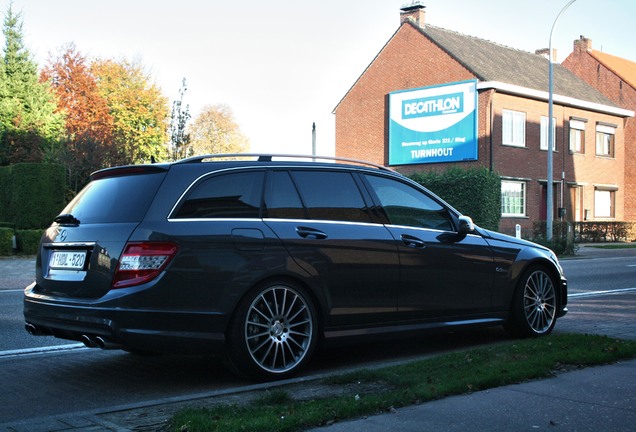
point(545, 53)
point(582, 45)
point(414, 12)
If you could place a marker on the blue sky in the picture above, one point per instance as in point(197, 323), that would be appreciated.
point(283, 64)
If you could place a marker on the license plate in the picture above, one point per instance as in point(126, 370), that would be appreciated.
point(67, 260)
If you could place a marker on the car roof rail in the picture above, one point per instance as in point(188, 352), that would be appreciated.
point(268, 157)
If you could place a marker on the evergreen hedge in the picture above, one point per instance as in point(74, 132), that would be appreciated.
point(6, 186)
point(28, 241)
point(6, 241)
point(31, 194)
point(475, 192)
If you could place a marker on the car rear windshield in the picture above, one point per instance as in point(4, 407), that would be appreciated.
point(115, 199)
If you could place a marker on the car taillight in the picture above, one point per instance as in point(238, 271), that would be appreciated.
point(141, 262)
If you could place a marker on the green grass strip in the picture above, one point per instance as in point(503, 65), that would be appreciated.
point(412, 383)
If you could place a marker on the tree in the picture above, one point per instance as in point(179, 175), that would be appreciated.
point(87, 144)
point(179, 138)
point(139, 111)
point(215, 131)
point(29, 123)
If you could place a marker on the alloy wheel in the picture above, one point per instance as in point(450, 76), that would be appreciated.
point(279, 329)
point(539, 302)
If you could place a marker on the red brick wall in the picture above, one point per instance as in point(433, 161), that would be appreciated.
point(584, 170)
point(586, 66)
point(410, 60)
point(407, 61)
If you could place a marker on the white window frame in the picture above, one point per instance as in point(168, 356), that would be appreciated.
point(605, 141)
point(513, 129)
point(604, 203)
point(544, 133)
point(577, 136)
point(512, 209)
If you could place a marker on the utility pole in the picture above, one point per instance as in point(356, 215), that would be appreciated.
point(313, 139)
point(549, 199)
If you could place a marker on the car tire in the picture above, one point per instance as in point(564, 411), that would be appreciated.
point(273, 333)
point(535, 303)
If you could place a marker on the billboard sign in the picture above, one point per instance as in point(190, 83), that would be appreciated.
point(433, 124)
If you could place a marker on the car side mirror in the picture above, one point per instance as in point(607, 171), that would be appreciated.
point(466, 226)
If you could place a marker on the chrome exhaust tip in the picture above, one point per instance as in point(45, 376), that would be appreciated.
point(32, 330)
point(105, 344)
point(88, 341)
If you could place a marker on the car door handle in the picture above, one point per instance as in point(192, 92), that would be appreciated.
point(305, 232)
point(413, 242)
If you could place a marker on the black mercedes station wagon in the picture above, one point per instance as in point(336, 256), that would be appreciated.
point(261, 260)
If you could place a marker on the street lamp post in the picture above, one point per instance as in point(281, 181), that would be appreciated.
point(549, 199)
point(313, 139)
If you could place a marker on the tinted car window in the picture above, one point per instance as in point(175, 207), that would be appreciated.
point(236, 195)
point(331, 196)
point(281, 198)
point(405, 205)
point(115, 199)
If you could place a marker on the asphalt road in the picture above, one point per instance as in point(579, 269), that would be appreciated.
point(599, 274)
point(41, 382)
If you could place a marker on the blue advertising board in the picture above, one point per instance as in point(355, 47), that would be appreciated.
point(433, 124)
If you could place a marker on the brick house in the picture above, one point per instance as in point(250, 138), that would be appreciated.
point(615, 77)
point(510, 135)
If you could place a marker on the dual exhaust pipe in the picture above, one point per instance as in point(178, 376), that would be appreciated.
point(88, 340)
point(98, 342)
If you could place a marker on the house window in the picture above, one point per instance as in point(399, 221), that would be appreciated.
point(603, 203)
point(513, 198)
point(605, 140)
point(514, 128)
point(577, 136)
point(544, 133)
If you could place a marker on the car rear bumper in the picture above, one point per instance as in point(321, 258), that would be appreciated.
point(131, 329)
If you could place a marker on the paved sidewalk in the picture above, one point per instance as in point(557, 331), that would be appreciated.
point(593, 399)
point(596, 250)
point(16, 272)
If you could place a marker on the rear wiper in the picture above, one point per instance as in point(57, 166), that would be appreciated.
point(66, 219)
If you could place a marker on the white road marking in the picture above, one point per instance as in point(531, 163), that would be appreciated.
point(42, 350)
point(601, 293)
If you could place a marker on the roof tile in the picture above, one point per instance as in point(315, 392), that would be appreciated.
point(490, 61)
point(626, 69)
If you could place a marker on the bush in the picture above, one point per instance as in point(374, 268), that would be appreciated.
point(31, 194)
point(6, 186)
point(475, 192)
point(609, 231)
point(562, 242)
point(28, 241)
point(38, 194)
point(6, 241)
point(631, 234)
